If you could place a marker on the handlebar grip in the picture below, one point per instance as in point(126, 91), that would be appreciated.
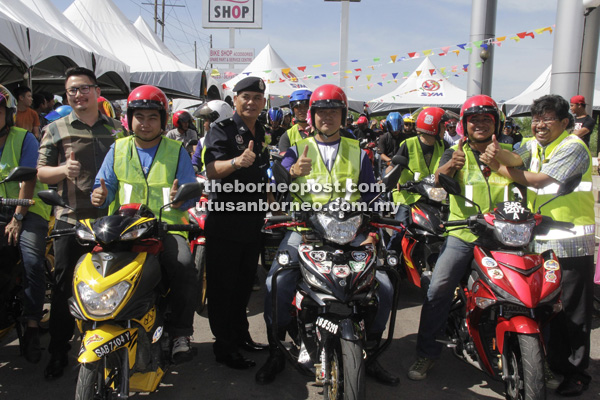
point(62, 231)
point(276, 219)
point(183, 227)
point(460, 222)
point(18, 202)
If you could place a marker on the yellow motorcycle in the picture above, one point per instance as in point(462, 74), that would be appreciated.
point(119, 299)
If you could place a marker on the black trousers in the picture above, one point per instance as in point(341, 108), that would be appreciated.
point(569, 342)
point(230, 270)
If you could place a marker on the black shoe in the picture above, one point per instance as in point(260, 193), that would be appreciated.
point(251, 345)
point(56, 366)
point(375, 370)
point(274, 365)
point(236, 361)
point(31, 345)
point(572, 386)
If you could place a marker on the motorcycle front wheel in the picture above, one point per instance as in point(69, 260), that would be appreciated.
point(200, 263)
point(525, 365)
point(346, 372)
point(100, 379)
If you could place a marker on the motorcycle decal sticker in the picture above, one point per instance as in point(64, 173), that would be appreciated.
point(489, 262)
point(550, 277)
point(496, 273)
point(329, 326)
point(551, 265)
point(357, 266)
point(324, 267)
point(359, 255)
point(94, 338)
point(318, 255)
point(338, 251)
point(113, 344)
point(298, 300)
point(157, 334)
point(342, 283)
point(305, 247)
point(341, 271)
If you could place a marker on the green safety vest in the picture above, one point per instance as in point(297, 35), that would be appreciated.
point(576, 207)
point(418, 168)
point(345, 171)
point(294, 135)
point(11, 155)
point(474, 187)
point(153, 190)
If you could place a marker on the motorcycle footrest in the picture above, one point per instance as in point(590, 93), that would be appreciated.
point(451, 343)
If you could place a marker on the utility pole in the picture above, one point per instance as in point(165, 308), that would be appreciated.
point(161, 20)
point(195, 55)
point(211, 66)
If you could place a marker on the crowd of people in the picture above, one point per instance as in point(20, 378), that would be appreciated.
point(97, 160)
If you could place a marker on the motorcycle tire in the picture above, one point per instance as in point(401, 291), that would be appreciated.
point(525, 365)
point(200, 264)
point(89, 386)
point(347, 373)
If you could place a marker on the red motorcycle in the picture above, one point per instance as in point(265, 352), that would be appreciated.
point(499, 309)
point(197, 216)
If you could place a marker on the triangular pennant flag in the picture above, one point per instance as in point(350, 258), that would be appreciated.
point(357, 76)
point(469, 49)
point(369, 77)
point(477, 43)
point(316, 65)
point(406, 74)
point(479, 64)
point(465, 67)
point(443, 70)
point(393, 58)
point(462, 46)
point(336, 72)
point(348, 71)
point(445, 49)
point(412, 55)
point(394, 75)
point(457, 52)
point(214, 72)
point(383, 76)
point(485, 46)
point(358, 69)
point(302, 69)
point(418, 73)
point(247, 73)
point(516, 39)
point(376, 59)
point(267, 71)
point(380, 83)
point(432, 71)
point(324, 75)
point(333, 64)
point(427, 53)
point(285, 71)
point(353, 60)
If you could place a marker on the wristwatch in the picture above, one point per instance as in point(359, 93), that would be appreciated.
point(233, 163)
point(18, 217)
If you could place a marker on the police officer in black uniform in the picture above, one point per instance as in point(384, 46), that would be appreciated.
point(235, 154)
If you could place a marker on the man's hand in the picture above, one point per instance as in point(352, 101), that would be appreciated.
point(73, 167)
point(99, 194)
point(248, 156)
point(458, 157)
point(491, 151)
point(303, 166)
point(173, 193)
point(12, 231)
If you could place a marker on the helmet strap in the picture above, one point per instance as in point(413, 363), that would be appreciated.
point(147, 140)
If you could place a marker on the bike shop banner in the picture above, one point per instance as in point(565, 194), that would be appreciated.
point(231, 56)
point(232, 14)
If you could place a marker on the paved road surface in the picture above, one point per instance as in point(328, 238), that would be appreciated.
point(203, 378)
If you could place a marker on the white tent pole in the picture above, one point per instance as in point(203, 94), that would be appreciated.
point(231, 44)
point(344, 42)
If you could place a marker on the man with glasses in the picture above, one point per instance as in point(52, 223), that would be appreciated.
point(550, 159)
point(71, 153)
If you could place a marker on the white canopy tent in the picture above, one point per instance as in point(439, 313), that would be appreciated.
point(104, 23)
point(109, 70)
point(32, 47)
point(147, 32)
point(426, 86)
point(521, 103)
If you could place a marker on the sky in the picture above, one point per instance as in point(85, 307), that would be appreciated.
point(307, 33)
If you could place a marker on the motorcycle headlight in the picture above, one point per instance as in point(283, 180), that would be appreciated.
point(340, 232)
point(313, 280)
point(512, 234)
point(85, 234)
point(105, 303)
point(436, 194)
point(134, 233)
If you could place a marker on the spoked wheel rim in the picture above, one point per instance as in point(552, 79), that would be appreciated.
point(334, 389)
point(514, 379)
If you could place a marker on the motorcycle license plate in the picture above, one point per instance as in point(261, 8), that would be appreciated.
point(113, 344)
point(329, 326)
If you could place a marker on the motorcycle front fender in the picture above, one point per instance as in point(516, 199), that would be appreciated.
point(351, 330)
point(518, 324)
point(106, 339)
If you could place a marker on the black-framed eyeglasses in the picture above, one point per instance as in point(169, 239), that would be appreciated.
point(83, 89)
point(546, 121)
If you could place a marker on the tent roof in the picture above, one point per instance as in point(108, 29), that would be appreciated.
point(521, 103)
point(109, 70)
point(104, 23)
point(147, 33)
point(426, 86)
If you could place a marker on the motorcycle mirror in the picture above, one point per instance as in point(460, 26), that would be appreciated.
point(51, 197)
point(400, 160)
point(192, 143)
point(281, 174)
point(450, 185)
point(20, 174)
point(188, 191)
point(390, 180)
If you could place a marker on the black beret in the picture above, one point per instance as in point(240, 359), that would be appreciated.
point(250, 84)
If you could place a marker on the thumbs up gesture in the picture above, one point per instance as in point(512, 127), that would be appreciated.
point(491, 151)
point(248, 156)
point(99, 194)
point(73, 167)
point(303, 166)
point(458, 157)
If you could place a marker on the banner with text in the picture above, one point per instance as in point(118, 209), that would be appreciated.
point(231, 56)
point(232, 14)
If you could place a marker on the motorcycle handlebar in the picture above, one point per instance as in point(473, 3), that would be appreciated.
point(17, 202)
point(276, 219)
point(557, 224)
point(184, 227)
point(387, 221)
point(460, 222)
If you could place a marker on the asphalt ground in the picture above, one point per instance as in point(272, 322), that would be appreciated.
point(204, 378)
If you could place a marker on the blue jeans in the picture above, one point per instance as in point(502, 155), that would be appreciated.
point(32, 243)
point(402, 215)
point(454, 261)
point(286, 287)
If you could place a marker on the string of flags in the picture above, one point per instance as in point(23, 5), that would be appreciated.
point(365, 72)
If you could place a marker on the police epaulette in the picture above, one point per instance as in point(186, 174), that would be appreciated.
point(225, 122)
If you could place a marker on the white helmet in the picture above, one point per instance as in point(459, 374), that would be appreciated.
point(215, 111)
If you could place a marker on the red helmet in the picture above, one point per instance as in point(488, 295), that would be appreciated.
point(428, 121)
point(362, 120)
point(480, 104)
point(147, 97)
point(328, 96)
point(181, 116)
